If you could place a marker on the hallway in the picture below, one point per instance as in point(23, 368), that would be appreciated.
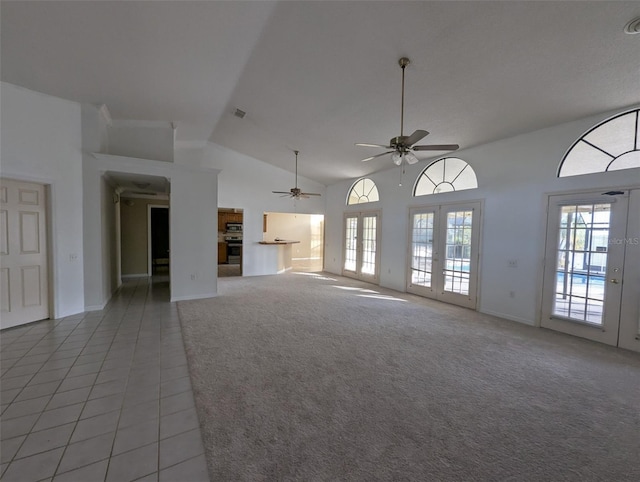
point(101, 395)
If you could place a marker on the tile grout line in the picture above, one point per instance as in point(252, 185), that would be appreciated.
point(113, 442)
point(107, 311)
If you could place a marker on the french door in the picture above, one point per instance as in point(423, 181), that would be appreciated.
point(361, 253)
point(591, 284)
point(443, 252)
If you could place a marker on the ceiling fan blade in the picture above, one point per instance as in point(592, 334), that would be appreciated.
point(307, 194)
point(281, 192)
point(360, 144)
point(415, 137)
point(378, 155)
point(437, 147)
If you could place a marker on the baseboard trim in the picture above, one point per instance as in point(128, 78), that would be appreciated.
point(139, 275)
point(95, 307)
point(193, 297)
point(508, 317)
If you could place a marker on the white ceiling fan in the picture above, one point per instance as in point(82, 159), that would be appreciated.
point(296, 192)
point(402, 147)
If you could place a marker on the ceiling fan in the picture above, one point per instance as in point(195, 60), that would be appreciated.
point(402, 147)
point(296, 192)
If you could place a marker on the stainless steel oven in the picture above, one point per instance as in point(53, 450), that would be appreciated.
point(234, 248)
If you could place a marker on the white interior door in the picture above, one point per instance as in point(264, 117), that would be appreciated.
point(591, 279)
point(23, 247)
point(361, 253)
point(443, 252)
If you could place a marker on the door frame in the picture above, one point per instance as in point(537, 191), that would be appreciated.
point(375, 278)
point(438, 221)
point(149, 236)
point(584, 330)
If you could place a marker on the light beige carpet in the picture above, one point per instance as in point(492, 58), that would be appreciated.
point(308, 377)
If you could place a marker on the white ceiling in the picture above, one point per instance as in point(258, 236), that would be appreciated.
point(320, 76)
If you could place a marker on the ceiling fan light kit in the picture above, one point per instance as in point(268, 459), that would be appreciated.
point(402, 147)
point(296, 192)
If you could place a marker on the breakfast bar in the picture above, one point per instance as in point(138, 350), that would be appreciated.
point(278, 256)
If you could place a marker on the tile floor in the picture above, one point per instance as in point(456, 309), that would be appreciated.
point(101, 396)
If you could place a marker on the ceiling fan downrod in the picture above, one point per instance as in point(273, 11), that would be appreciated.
point(296, 153)
point(404, 61)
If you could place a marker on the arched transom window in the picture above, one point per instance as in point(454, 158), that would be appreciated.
point(609, 146)
point(363, 191)
point(445, 175)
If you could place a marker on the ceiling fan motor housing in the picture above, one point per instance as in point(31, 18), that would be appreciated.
point(399, 142)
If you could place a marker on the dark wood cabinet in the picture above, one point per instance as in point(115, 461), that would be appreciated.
point(222, 253)
point(225, 217)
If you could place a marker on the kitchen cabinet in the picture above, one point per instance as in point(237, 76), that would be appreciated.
point(225, 217)
point(222, 253)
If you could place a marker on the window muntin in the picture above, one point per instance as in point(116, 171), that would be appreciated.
point(609, 146)
point(363, 191)
point(445, 175)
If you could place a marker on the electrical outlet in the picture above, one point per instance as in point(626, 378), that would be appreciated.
point(512, 263)
point(73, 257)
point(193, 276)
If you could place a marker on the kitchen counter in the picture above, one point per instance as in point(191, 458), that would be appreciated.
point(276, 257)
point(279, 241)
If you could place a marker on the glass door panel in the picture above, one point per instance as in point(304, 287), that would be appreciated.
point(421, 260)
point(443, 252)
point(369, 239)
point(585, 265)
point(350, 246)
point(581, 263)
point(361, 256)
point(458, 252)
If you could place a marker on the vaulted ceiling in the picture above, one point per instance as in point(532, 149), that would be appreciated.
point(318, 76)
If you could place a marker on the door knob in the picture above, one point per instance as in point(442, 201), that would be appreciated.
point(614, 281)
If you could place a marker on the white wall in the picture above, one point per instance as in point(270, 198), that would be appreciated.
point(193, 222)
point(41, 141)
point(246, 183)
point(514, 176)
point(141, 139)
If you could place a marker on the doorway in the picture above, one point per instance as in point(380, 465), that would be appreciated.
point(230, 242)
point(158, 232)
point(307, 255)
point(361, 251)
point(443, 252)
point(591, 274)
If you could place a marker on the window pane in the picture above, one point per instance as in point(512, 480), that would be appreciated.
point(583, 159)
point(582, 262)
point(351, 231)
point(436, 171)
point(616, 136)
point(458, 252)
point(626, 161)
point(369, 244)
point(453, 167)
point(363, 191)
point(446, 175)
point(424, 186)
point(611, 146)
point(421, 249)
